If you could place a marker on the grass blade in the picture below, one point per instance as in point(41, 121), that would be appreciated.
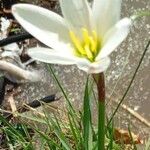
point(87, 122)
point(61, 88)
point(60, 134)
point(128, 88)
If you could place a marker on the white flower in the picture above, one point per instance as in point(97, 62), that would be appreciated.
point(12, 67)
point(11, 50)
point(85, 36)
point(5, 23)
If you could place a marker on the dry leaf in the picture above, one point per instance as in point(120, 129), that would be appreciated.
point(123, 136)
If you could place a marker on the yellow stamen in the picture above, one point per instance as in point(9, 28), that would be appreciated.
point(85, 36)
point(86, 46)
point(77, 43)
point(95, 39)
point(95, 36)
point(93, 45)
point(88, 52)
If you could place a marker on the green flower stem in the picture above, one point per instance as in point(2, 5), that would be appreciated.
point(101, 125)
point(100, 82)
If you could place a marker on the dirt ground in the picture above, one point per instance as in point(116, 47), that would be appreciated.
point(126, 56)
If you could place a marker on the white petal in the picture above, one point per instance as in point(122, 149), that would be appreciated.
point(51, 56)
point(77, 13)
point(45, 25)
point(114, 37)
point(95, 67)
point(106, 13)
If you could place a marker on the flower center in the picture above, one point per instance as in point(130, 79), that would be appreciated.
point(87, 46)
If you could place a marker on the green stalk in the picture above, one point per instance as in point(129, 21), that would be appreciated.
point(100, 82)
point(140, 14)
point(101, 126)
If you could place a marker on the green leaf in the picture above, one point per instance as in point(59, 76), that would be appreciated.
point(61, 88)
point(49, 141)
point(147, 147)
point(12, 129)
point(87, 122)
point(60, 134)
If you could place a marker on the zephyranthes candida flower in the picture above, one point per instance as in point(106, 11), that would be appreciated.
point(11, 65)
point(83, 36)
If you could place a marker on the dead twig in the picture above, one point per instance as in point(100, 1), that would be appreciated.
point(132, 112)
point(36, 103)
point(136, 115)
point(12, 103)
